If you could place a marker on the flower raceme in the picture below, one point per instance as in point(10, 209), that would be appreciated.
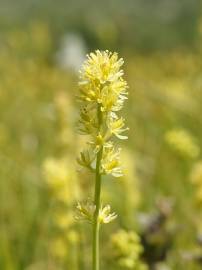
point(102, 94)
point(101, 81)
point(101, 84)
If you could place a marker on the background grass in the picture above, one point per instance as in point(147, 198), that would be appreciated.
point(39, 185)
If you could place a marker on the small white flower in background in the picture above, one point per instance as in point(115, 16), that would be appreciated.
point(72, 51)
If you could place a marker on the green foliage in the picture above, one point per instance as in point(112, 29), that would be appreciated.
point(39, 187)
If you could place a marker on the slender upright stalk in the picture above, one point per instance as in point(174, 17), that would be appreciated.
point(102, 93)
point(98, 179)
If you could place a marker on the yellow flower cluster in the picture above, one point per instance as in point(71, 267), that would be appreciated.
point(127, 250)
point(182, 142)
point(102, 82)
point(102, 94)
point(58, 177)
point(60, 180)
point(101, 85)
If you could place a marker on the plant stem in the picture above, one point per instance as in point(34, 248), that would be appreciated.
point(95, 250)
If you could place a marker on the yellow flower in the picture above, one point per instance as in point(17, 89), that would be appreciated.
point(102, 67)
point(99, 141)
point(116, 127)
point(63, 220)
point(127, 249)
point(111, 161)
point(105, 216)
point(60, 177)
point(182, 142)
point(102, 94)
point(102, 82)
point(85, 211)
point(72, 236)
point(58, 248)
point(56, 173)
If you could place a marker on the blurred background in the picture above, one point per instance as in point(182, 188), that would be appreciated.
point(159, 200)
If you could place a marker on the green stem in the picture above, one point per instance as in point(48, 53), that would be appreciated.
point(95, 250)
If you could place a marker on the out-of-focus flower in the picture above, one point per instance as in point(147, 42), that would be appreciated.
point(58, 248)
point(62, 219)
point(182, 142)
point(56, 172)
point(61, 179)
point(127, 249)
point(72, 236)
point(71, 52)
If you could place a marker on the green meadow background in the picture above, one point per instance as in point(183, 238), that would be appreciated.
point(159, 200)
